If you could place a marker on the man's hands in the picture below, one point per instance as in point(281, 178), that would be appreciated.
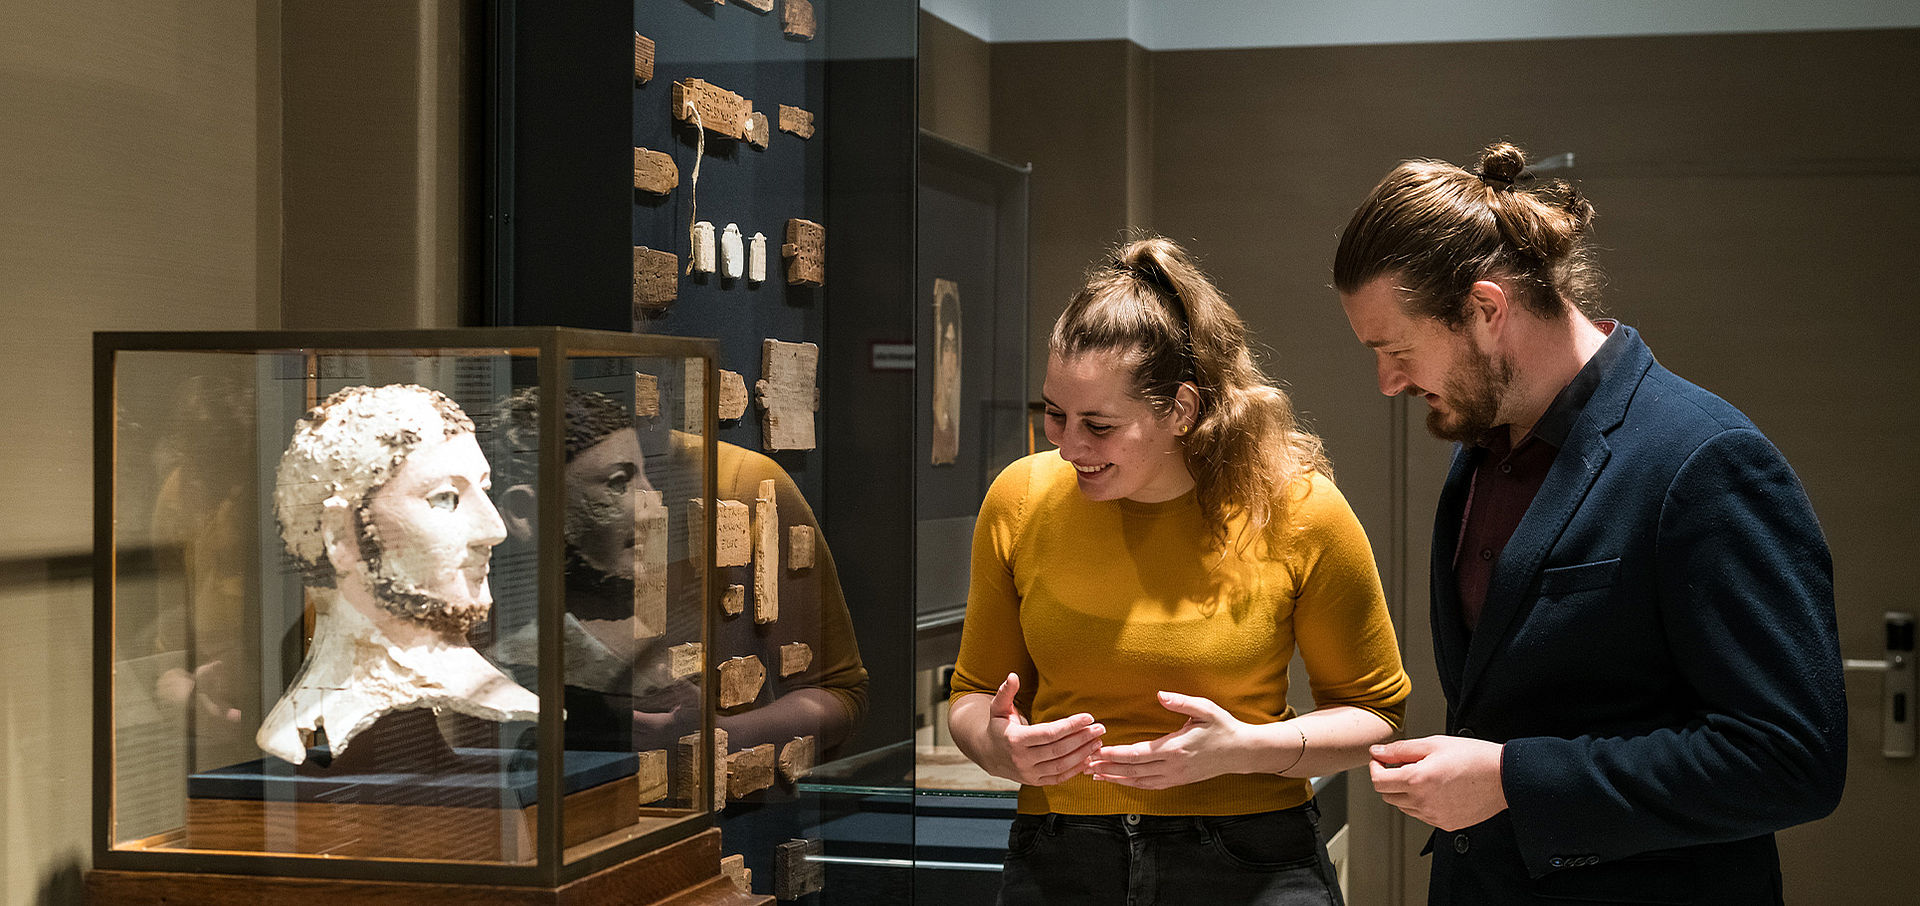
point(1449, 782)
point(1036, 754)
point(1211, 743)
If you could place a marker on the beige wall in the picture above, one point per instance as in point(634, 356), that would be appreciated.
point(146, 190)
point(381, 163)
point(954, 66)
point(141, 193)
point(1076, 112)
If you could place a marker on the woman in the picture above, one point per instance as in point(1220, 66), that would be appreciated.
point(1136, 598)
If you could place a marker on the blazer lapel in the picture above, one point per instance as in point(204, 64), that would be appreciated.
point(1449, 628)
point(1567, 484)
point(1568, 481)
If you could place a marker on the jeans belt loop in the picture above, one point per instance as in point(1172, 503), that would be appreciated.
point(1051, 824)
point(1206, 831)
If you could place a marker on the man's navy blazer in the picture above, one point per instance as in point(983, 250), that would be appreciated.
point(1657, 650)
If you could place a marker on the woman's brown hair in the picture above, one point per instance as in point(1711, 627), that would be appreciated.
point(1150, 304)
point(1438, 229)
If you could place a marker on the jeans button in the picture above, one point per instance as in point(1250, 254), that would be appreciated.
point(1460, 843)
point(1133, 819)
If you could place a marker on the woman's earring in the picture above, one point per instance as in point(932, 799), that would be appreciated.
point(1182, 431)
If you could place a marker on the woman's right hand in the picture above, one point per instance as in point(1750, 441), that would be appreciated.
point(1036, 754)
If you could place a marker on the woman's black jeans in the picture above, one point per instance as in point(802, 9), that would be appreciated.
point(1161, 860)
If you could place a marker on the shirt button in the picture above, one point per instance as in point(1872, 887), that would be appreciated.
point(1460, 844)
point(1133, 819)
point(1464, 733)
point(1506, 468)
point(1486, 553)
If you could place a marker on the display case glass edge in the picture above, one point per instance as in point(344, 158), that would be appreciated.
point(552, 736)
point(972, 220)
point(553, 346)
point(710, 528)
point(103, 576)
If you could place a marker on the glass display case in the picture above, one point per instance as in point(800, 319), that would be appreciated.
point(406, 605)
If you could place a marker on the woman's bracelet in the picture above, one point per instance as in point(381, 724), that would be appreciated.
point(1303, 748)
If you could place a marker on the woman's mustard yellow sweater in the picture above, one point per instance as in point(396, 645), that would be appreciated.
point(1100, 605)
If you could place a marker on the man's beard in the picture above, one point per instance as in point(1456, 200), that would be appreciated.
point(403, 598)
point(1473, 396)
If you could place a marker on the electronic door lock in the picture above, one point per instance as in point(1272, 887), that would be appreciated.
point(1898, 686)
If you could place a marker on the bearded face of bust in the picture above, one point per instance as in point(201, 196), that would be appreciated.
point(426, 537)
point(382, 493)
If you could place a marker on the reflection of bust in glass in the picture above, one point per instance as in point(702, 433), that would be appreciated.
point(620, 693)
point(382, 500)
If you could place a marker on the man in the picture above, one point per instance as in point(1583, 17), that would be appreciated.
point(1632, 601)
point(382, 501)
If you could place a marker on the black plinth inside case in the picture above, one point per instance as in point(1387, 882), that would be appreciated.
point(403, 759)
point(479, 778)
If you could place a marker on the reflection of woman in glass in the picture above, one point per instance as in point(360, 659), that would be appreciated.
point(1136, 598)
point(620, 693)
point(202, 516)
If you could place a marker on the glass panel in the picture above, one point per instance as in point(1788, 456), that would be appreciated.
point(634, 498)
point(971, 422)
point(305, 634)
point(187, 678)
point(792, 99)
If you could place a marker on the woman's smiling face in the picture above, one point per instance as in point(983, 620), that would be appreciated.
point(1118, 444)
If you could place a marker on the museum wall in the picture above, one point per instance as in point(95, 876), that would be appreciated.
point(141, 161)
point(382, 143)
point(954, 66)
point(147, 190)
point(1077, 113)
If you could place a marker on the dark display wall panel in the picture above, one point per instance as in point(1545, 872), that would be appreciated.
point(566, 115)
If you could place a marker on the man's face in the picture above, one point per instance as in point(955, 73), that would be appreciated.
point(432, 530)
point(1463, 385)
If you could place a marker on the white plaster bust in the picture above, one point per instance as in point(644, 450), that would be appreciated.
point(382, 500)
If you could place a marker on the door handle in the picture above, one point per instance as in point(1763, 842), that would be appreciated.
point(1897, 678)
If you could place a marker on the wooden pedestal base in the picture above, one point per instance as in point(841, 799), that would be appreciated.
point(686, 873)
point(366, 831)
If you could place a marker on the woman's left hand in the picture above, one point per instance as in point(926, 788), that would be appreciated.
point(1211, 743)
